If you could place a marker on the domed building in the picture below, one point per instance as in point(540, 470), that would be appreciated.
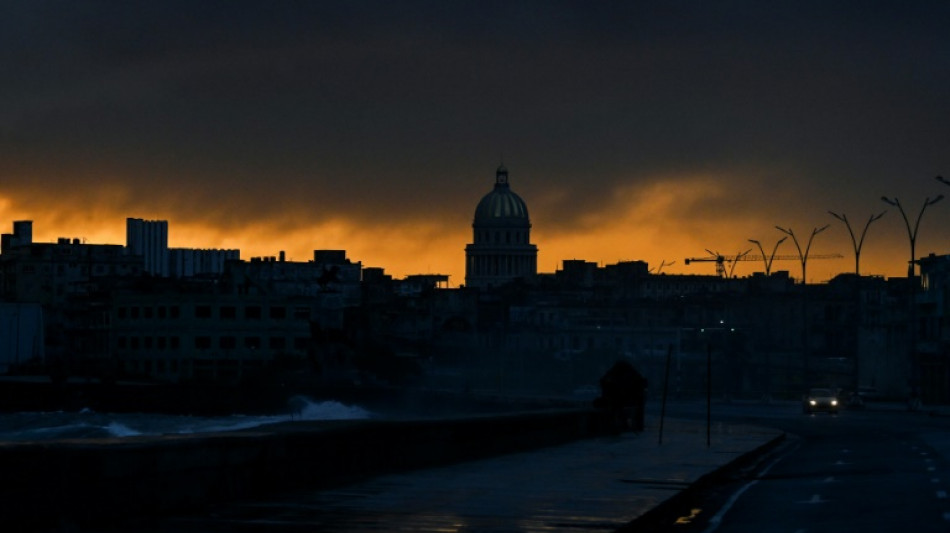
point(501, 249)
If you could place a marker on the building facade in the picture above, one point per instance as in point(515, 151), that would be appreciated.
point(22, 338)
point(189, 332)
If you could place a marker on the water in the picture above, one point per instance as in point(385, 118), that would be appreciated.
point(88, 424)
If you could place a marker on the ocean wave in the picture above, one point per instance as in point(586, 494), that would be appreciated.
point(88, 424)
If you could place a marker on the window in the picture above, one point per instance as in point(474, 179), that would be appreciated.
point(302, 313)
point(203, 342)
point(120, 343)
point(228, 343)
point(252, 343)
point(148, 342)
point(278, 312)
point(252, 312)
point(202, 311)
point(134, 343)
point(300, 343)
point(162, 343)
point(121, 312)
point(135, 312)
point(162, 312)
point(278, 343)
point(174, 311)
point(228, 312)
point(174, 343)
point(147, 311)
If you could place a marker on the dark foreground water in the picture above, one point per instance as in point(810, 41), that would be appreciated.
point(88, 424)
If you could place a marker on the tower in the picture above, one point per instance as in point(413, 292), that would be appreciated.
point(501, 249)
point(149, 238)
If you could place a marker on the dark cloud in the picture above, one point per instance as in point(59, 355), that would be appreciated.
point(401, 110)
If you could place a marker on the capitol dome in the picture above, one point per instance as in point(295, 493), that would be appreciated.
point(501, 205)
point(501, 249)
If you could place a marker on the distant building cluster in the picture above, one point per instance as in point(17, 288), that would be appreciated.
point(149, 240)
point(144, 311)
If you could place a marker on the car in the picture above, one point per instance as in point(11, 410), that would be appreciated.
point(820, 400)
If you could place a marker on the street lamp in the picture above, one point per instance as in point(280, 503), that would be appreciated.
point(916, 371)
point(663, 263)
point(912, 234)
point(803, 256)
point(858, 244)
point(768, 260)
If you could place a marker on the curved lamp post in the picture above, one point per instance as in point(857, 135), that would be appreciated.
point(768, 259)
point(858, 244)
point(803, 256)
point(912, 234)
point(663, 263)
point(916, 370)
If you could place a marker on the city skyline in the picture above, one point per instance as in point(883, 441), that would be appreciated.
point(632, 132)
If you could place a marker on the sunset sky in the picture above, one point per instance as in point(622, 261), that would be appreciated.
point(633, 130)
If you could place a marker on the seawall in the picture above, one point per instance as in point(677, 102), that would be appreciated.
point(110, 480)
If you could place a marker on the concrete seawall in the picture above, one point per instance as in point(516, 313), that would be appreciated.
point(109, 480)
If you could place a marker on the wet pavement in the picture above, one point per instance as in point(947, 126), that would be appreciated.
point(596, 484)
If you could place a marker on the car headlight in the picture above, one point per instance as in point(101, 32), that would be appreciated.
point(834, 402)
point(812, 402)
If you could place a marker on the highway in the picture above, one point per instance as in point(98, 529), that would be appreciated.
point(881, 469)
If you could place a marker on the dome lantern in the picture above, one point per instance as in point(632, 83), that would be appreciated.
point(501, 176)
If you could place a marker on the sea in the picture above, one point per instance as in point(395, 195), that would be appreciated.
point(89, 424)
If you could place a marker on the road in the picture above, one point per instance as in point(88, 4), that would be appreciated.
point(881, 469)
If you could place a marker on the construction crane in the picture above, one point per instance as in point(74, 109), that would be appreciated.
point(721, 260)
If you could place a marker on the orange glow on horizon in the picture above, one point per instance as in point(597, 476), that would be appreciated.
point(645, 224)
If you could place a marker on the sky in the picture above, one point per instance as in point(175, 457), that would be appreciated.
point(650, 131)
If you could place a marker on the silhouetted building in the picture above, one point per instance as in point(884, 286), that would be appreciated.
point(933, 342)
point(501, 249)
point(22, 235)
point(191, 262)
point(149, 239)
point(49, 273)
point(71, 281)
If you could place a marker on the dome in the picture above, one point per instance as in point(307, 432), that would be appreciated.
point(501, 203)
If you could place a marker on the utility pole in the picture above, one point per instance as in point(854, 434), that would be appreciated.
point(857, 244)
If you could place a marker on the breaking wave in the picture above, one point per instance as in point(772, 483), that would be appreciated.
point(88, 424)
